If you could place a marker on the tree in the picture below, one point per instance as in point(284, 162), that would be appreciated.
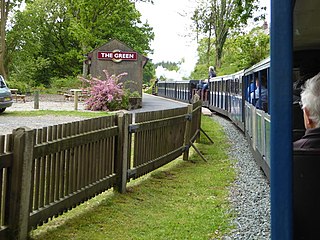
point(5, 8)
point(249, 49)
point(170, 66)
point(41, 44)
point(241, 50)
point(201, 69)
point(149, 72)
point(50, 37)
point(215, 18)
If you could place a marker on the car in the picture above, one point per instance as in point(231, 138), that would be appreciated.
point(5, 95)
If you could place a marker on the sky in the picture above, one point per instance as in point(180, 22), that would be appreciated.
point(170, 28)
point(171, 23)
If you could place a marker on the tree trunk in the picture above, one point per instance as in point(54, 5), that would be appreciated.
point(4, 14)
point(209, 47)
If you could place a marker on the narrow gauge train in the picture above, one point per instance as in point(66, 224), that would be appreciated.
point(230, 96)
point(293, 173)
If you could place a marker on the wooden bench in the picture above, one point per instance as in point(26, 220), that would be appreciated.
point(67, 96)
point(85, 94)
point(82, 95)
point(17, 96)
point(21, 97)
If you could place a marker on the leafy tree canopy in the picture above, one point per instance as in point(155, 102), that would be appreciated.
point(214, 19)
point(170, 66)
point(50, 37)
point(241, 50)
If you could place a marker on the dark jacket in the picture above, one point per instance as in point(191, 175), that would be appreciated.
point(311, 139)
point(212, 74)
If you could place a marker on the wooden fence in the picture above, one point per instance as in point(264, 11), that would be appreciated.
point(45, 172)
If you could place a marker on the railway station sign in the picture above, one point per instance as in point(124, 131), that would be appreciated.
point(117, 55)
point(116, 58)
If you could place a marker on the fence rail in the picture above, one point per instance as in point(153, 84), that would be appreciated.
point(158, 138)
point(46, 172)
point(72, 163)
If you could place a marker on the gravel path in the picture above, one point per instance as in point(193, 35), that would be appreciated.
point(250, 193)
point(46, 102)
point(58, 102)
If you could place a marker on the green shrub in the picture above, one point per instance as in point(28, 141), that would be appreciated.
point(65, 83)
point(22, 87)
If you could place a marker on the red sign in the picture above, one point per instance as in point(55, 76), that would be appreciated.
point(117, 56)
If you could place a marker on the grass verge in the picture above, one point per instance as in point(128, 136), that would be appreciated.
point(182, 200)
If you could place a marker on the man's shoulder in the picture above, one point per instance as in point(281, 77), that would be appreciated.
point(307, 142)
point(300, 144)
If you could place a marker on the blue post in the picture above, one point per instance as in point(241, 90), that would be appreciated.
point(281, 119)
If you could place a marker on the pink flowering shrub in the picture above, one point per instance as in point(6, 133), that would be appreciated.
point(105, 95)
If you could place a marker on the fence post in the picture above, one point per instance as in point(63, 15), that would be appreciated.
point(23, 139)
point(187, 134)
point(36, 100)
point(199, 113)
point(123, 151)
point(76, 100)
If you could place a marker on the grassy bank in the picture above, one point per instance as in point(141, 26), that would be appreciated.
point(183, 200)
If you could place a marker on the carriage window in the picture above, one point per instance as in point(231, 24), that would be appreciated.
point(236, 86)
point(227, 86)
point(232, 87)
point(224, 86)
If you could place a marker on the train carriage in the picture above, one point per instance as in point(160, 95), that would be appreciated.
point(177, 90)
point(236, 102)
point(226, 97)
point(257, 118)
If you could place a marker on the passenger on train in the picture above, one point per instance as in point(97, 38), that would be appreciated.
point(205, 84)
point(308, 68)
point(310, 104)
point(212, 73)
point(202, 86)
point(260, 95)
point(251, 88)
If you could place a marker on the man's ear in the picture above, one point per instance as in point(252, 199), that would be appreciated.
point(308, 121)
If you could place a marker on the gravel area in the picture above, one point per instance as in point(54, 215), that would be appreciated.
point(46, 102)
point(58, 102)
point(250, 193)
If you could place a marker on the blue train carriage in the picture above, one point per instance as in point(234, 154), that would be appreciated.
point(178, 90)
point(235, 99)
point(225, 97)
point(256, 112)
point(219, 94)
point(5, 95)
